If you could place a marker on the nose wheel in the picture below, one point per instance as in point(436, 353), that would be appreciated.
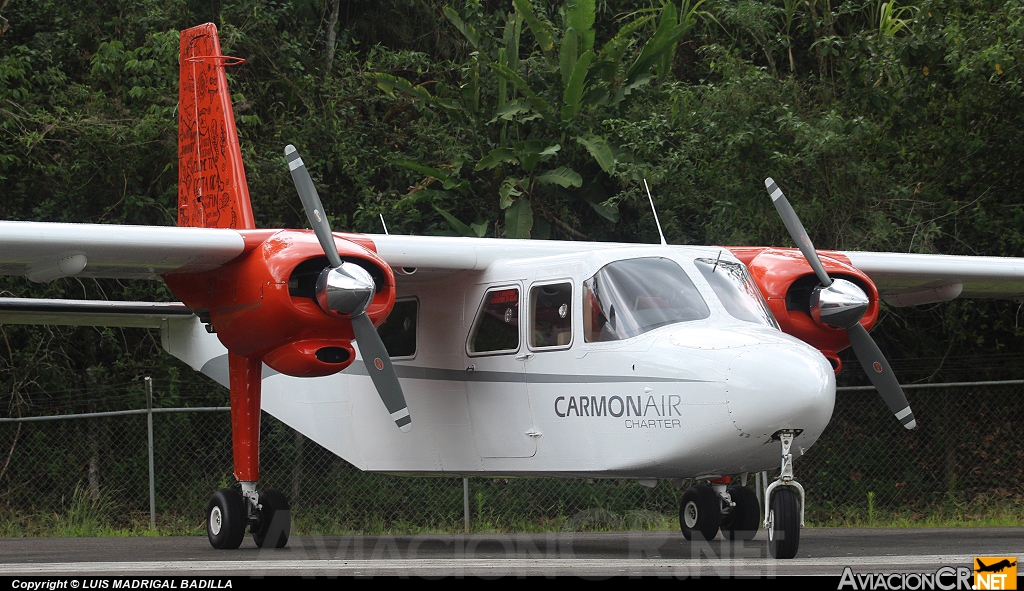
point(784, 511)
point(267, 516)
point(783, 523)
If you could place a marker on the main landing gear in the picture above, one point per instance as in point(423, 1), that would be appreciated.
point(709, 507)
point(266, 515)
point(717, 505)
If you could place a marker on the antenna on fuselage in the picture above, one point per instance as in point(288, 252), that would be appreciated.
point(655, 211)
point(383, 224)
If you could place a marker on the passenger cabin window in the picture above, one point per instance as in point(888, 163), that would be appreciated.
point(551, 315)
point(496, 329)
point(630, 297)
point(736, 290)
point(398, 333)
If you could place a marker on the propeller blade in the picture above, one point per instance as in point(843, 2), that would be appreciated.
point(796, 230)
point(382, 372)
point(842, 303)
point(311, 203)
point(880, 374)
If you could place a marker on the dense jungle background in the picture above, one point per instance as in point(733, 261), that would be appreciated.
point(891, 126)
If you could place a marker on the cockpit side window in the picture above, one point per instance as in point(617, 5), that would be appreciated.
point(551, 315)
point(630, 297)
point(496, 329)
point(736, 290)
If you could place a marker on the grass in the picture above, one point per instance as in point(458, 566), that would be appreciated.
point(497, 506)
point(81, 516)
point(950, 511)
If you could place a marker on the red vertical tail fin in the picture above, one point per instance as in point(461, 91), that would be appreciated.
point(212, 192)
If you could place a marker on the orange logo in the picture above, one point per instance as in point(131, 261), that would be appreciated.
point(995, 572)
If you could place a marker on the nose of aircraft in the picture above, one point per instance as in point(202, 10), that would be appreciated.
point(780, 385)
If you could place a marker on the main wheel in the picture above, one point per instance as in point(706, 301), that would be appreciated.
point(700, 513)
point(784, 523)
point(225, 519)
point(273, 522)
point(743, 521)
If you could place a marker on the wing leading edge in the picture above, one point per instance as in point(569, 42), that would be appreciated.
point(909, 279)
point(45, 251)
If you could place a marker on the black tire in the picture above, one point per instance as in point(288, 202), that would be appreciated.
point(274, 521)
point(745, 518)
point(225, 519)
point(784, 523)
point(700, 513)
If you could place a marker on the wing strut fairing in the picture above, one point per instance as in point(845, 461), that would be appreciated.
point(90, 312)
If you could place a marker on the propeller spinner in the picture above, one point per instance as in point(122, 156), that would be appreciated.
point(346, 289)
point(841, 304)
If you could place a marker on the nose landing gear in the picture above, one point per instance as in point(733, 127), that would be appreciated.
point(784, 511)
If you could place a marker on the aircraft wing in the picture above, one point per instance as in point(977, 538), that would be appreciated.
point(466, 254)
point(907, 279)
point(46, 251)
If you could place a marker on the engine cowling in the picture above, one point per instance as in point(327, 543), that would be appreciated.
point(787, 281)
point(263, 304)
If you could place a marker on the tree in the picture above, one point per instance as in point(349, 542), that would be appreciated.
point(533, 122)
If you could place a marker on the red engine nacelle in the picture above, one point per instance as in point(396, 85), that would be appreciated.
point(263, 304)
point(786, 280)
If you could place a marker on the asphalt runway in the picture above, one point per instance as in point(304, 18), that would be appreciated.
point(823, 551)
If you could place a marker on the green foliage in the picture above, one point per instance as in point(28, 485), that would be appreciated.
point(530, 111)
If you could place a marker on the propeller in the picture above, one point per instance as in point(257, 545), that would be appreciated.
point(841, 304)
point(346, 288)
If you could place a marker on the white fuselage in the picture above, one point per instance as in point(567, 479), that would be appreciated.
point(691, 399)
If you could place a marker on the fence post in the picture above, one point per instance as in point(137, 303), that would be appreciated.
point(465, 503)
point(149, 425)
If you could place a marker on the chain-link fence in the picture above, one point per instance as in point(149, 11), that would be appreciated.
point(967, 458)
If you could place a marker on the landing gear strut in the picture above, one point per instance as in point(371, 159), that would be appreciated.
point(784, 514)
point(266, 514)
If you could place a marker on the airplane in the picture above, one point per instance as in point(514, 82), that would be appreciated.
point(996, 566)
point(478, 356)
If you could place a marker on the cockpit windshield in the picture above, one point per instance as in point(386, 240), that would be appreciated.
point(736, 289)
point(630, 297)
